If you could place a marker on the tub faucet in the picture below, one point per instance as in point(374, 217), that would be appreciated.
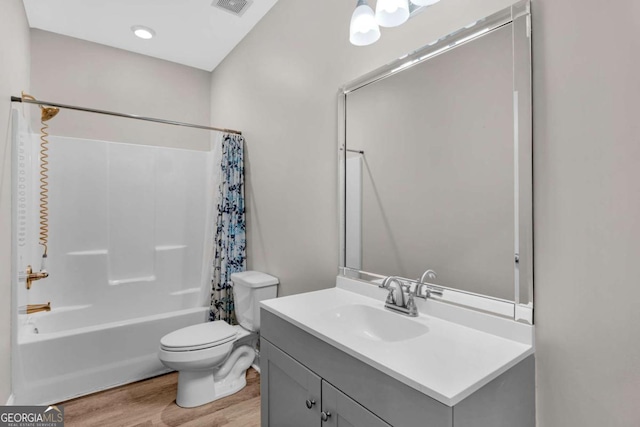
point(30, 276)
point(396, 299)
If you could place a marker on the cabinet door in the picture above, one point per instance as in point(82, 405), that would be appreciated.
point(338, 410)
point(290, 392)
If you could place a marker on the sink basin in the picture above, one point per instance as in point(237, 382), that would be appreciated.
point(376, 324)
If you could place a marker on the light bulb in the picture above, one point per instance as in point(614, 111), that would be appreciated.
point(364, 30)
point(391, 13)
point(143, 32)
point(424, 2)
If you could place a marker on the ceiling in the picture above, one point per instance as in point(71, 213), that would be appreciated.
point(189, 32)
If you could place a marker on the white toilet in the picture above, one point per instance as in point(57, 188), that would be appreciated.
point(212, 358)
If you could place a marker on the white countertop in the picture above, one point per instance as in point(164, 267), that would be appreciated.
point(461, 352)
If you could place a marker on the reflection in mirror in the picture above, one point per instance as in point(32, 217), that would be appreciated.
point(437, 164)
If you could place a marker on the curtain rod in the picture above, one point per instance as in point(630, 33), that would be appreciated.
point(352, 150)
point(127, 116)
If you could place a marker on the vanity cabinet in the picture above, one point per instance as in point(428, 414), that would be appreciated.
point(345, 412)
point(291, 393)
point(293, 396)
point(303, 377)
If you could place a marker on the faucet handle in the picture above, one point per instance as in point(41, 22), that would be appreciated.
point(385, 283)
point(411, 306)
point(428, 291)
point(391, 297)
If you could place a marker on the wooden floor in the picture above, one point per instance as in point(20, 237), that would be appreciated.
point(153, 403)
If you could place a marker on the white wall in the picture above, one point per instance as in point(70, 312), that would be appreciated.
point(587, 211)
point(78, 72)
point(279, 87)
point(14, 77)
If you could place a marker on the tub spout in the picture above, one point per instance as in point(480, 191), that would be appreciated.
point(35, 308)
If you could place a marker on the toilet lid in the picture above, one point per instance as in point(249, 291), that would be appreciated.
point(198, 337)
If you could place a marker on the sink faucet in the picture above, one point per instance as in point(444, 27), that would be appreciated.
point(429, 289)
point(396, 300)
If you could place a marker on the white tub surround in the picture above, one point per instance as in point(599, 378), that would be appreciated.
point(130, 228)
point(447, 352)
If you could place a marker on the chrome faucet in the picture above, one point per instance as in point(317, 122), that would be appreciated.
point(396, 299)
point(392, 298)
point(429, 289)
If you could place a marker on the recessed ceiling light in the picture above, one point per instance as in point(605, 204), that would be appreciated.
point(143, 32)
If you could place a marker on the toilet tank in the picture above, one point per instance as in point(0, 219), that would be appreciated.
point(249, 288)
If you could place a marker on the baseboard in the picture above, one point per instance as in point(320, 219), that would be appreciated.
point(10, 400)
point(256, 367)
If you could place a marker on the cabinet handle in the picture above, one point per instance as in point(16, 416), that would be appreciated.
point(324, 416)
point(310, 403)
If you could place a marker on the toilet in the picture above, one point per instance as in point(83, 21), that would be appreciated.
point(212, 358)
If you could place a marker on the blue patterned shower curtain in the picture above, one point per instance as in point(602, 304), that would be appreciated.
point(229, 242)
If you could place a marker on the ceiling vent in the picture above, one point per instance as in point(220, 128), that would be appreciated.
point(235, 7)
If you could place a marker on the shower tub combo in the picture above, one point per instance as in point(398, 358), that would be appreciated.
point(62, 360)
point(129, 247)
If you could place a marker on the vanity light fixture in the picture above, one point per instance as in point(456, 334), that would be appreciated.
point(365, 24)
point(364, 29)
point(143, 32)
point(424, 2)
point(391, 13)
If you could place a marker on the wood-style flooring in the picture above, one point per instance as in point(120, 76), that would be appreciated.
point(152, 402)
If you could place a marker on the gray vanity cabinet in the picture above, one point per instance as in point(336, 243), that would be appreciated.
point(345, 412)
point(293, 396)
point(303, 376)
point(291, 393)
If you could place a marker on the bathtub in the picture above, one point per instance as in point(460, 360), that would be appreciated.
point(56, 360)
point(129, 260)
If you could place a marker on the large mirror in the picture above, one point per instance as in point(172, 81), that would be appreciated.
point(436, 164)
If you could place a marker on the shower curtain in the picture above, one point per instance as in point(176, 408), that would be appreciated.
point(229, 241)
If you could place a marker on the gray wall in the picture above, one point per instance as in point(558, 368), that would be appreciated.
point(587, 211)
point(78, 72)
point(14, 77)
point(438, 175)
point(279, 86)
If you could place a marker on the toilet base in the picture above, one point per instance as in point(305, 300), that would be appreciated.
point(196, 388)
point(231, 387)
point(212, 373)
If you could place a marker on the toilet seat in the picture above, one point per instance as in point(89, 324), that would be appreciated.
point(199, 337)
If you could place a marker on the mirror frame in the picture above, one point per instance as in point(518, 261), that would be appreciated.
point(518, 15)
